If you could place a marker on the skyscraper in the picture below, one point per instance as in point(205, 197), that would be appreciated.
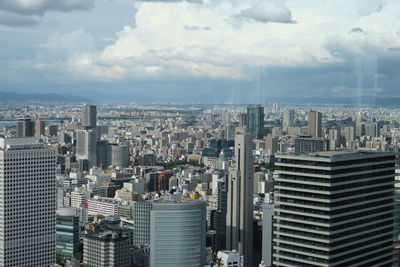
point(315, 123)
point(255, 121)
point(178, 233)
point(86, 146)
point(288, 118)
point(239, 221)
point(27, 203)
point(89, 116)
point(349, 133)
point(39, 128)
point(334, 208)
point(25, 128)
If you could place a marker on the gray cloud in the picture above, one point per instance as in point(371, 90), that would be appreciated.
point(16, 20)
point(356, 29)
point(268, 11)
point(32, 7)
point(197, 28)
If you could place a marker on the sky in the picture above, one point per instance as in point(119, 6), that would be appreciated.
point(201, 50)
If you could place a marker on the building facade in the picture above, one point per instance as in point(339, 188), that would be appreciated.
point(239, 223)
point(315, 124)
point(178, 233)
point(334, 208)
point(27, 203)
point(255, 121)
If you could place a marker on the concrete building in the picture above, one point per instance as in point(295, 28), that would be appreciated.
point(86, 146)
point(27, 203)
point(271, 144)
point(306, 144)
point(334, 208)
point(315, 124)
point(267, 233)
point(255, 121)
point(239, 223)
point(39, 128)
point(109, 246)
point(288, 118)
point(25, 128)
point(89, 116)
point(178, 233)
point(228, 258)
point(349, 133)
point(119, 155)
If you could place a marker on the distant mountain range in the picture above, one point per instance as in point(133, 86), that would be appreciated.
point(19, 97)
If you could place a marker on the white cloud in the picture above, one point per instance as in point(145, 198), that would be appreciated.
point(181, 39)
point(268, 11)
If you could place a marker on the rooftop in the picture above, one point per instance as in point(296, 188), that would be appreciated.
point(335, 154)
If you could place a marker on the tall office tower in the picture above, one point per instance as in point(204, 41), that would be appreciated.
point(178, 233)
point(221, 214)
point(119, 155)
point(67, 235)
point(315, 123)
point(89, 116)
point(335, 137)
point(239, 221)
point(371, 129)
point(242, 120)
point(288, 118)
point(25, 128)
point(255, 121)
point(141, 217)
point(334, 208)
point(27, 203)
point(349, 133)
point(52, 130)
point(271, 144)
point(39, 128)
point(86, 146)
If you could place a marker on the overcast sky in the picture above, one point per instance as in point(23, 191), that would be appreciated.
point(236, 50)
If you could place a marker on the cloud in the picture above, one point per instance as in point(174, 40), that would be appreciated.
point(268, 11)
point(179, 40)
point(39, 7)
point(16, 20)
point(356, 30)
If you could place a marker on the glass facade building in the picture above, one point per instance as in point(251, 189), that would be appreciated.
point(178, 233)
point(67, 236)
point(255, 121)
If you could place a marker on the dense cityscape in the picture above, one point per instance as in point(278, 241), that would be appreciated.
point(180, 185)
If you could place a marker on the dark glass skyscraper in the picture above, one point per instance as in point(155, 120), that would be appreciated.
point(255, 121)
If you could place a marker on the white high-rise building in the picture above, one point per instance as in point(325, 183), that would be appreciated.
point(27, 203)
point(239, 221)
